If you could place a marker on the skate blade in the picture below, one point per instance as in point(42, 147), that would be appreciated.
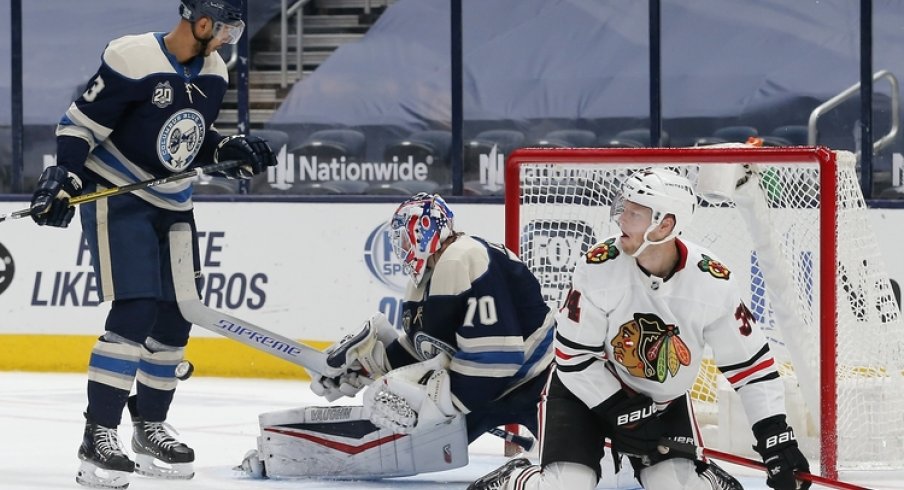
point(146, 465)
point(91, 475)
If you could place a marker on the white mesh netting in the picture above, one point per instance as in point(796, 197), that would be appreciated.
point(769, 235)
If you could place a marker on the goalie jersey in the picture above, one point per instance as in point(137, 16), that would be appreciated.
point(483, 307)
point(621, 327)
point(144, 115)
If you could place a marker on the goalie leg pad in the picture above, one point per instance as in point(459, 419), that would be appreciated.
point(339, 442)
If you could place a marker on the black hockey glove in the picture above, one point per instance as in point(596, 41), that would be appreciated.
point(778, 447)
point(636, 426)
point(50, 201)
point(254, 151)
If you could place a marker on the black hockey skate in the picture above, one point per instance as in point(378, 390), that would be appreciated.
point(158, 453)
point(104, 463)
point(496, 479)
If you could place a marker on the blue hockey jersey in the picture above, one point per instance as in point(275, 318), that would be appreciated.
point(144, 115)
point(483, 307)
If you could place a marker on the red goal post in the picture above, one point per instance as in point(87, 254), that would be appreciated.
point(796, 228)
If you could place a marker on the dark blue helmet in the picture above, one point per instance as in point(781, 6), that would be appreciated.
point(226, 16)
point(225, 11)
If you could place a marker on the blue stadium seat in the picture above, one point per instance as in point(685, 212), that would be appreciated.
point(275, 138)
point(401, 187)
point(775, 141)
point(504, 140)
point(328, 144)
point(736, 134)
point(567, 138)
point(330, 188)
point(641, 135)
point(795, 133)
point(612, 142)
point(709, 140)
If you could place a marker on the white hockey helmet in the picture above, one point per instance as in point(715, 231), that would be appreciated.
point(664, 192)
point(418, 229)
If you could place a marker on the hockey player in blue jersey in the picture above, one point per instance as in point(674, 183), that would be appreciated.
point(477, 337)
point(147, 113)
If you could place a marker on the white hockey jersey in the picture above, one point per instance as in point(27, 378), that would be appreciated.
point(621, 326)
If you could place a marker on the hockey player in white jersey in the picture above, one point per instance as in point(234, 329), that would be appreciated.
point(629, 343)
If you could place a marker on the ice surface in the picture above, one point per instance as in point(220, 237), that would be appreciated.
point(41, 422)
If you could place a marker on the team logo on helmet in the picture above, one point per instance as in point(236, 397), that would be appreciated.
point(714, 267)
point(180, 139)
point(603, 252)
point(7, 268)
point(380, 260)
point(650, 348)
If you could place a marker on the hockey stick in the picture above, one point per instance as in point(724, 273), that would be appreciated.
point(244, 332)
point(526, 443)
point(699, 452)
point(137, 186)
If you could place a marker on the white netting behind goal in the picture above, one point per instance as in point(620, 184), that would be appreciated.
point(769, 235)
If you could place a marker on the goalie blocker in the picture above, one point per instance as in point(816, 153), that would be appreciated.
point(340, 442)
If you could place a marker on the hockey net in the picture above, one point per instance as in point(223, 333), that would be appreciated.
point(797, 234)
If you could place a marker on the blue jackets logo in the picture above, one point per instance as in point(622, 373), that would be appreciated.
point(180, 139)
point(7, 268)
point(380, 260)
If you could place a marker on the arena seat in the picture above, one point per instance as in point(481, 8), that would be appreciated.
point(642, 135)
point(795, 133)
point(401, 188)
point(330, 188)
point(328, 144)
point(566, 138)
point(737, 134)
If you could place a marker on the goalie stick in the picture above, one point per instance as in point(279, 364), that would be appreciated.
point(242, 331)
point(698, 452)
point(137, 186)
point(525, 442)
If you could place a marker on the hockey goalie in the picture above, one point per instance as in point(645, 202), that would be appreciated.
point(473, 355)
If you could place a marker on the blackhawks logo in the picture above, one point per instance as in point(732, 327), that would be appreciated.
point(602, 252)
point(714, 267)
point(649, 348)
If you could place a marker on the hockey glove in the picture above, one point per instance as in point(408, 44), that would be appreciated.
point(778, 447)
point(636, 426)
point(412, 397)
point(253, 151)
point(50, 201)
point(356, 360)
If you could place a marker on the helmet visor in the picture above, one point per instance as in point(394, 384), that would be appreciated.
point(228, 32)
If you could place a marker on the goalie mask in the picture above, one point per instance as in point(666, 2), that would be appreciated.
point(419, 227)
point(665, 193)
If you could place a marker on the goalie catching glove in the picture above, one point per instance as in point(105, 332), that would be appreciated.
point(356, 360)
point(412, 397)
point(254, 152)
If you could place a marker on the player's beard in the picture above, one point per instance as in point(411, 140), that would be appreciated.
point(203, 43)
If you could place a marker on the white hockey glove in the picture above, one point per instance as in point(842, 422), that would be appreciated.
point(356, 360)
point(411, 397)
